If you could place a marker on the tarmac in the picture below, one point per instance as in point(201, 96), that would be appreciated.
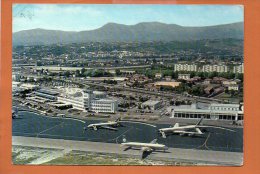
point(206, 157)
point(35, 125)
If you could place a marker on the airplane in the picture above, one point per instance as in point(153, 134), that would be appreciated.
point(107, 125)
point(146, 148)
point(189, 130)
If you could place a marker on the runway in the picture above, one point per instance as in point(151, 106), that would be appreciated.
point(34, 125)
point(202, 157)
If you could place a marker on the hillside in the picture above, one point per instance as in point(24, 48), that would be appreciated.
point(142, 32)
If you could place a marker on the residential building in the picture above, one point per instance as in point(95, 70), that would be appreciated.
point(207, 81)
point(168, 78)
point(185, 67)
point(229, 82)
point(234, 87)
point(158, 75)
point(215, 68)
point(184, 76)
point(239, 68)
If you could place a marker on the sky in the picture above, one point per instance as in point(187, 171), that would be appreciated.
point(69, 17)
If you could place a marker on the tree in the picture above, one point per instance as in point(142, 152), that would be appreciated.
point(232, 93)
point(197, 90)
point(154, 61)
point(192, 74)
point(67, 73)
point(181, 88)
point(77, 73)
point(226, 91)
point(240, 77)
point(83, 71)
point(118, 72)
point(212, 74)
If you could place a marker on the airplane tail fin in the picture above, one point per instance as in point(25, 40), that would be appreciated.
point(176, 125)
point(154, 141)
point(199, 121)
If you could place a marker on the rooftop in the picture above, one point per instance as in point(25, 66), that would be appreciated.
point(47, 91)
point(151, 102)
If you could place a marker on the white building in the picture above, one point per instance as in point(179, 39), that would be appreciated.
point(88, 100)
point(239, 68)
point(185, 67)
point(104, 105)
point(184, 76)
point(99, 94)
point(158, 75)
point(215, 68)
point(234, 87)
point(229, 82)
point(212, 112)
point(152, 104)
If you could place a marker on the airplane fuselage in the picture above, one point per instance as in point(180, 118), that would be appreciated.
point(146, 145)
point(112, 123)
point(189, 130)
point(172, 129)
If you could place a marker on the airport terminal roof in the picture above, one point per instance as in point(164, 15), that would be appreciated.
point(28, 86)
point(151, 102)
point(47, 91)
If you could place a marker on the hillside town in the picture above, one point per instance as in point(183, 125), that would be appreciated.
point(130, 84)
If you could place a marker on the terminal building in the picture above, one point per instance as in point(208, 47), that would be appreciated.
point(48, 94)
point(88, 100)
point(85, 100)
point(212, 112)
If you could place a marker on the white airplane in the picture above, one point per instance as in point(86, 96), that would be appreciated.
point(145, 147)
point(107, 125)
point(189, 130)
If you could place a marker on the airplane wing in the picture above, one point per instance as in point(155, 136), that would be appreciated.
point(216, 128)
point(186, 132)
point(146, 149)
point(108, 127)
point(145, 152)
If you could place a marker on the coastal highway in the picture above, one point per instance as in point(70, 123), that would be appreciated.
point(175, 154)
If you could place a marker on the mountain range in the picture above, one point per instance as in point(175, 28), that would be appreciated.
point(141, 32)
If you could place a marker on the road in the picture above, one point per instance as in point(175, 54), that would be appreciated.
point(176, 154)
